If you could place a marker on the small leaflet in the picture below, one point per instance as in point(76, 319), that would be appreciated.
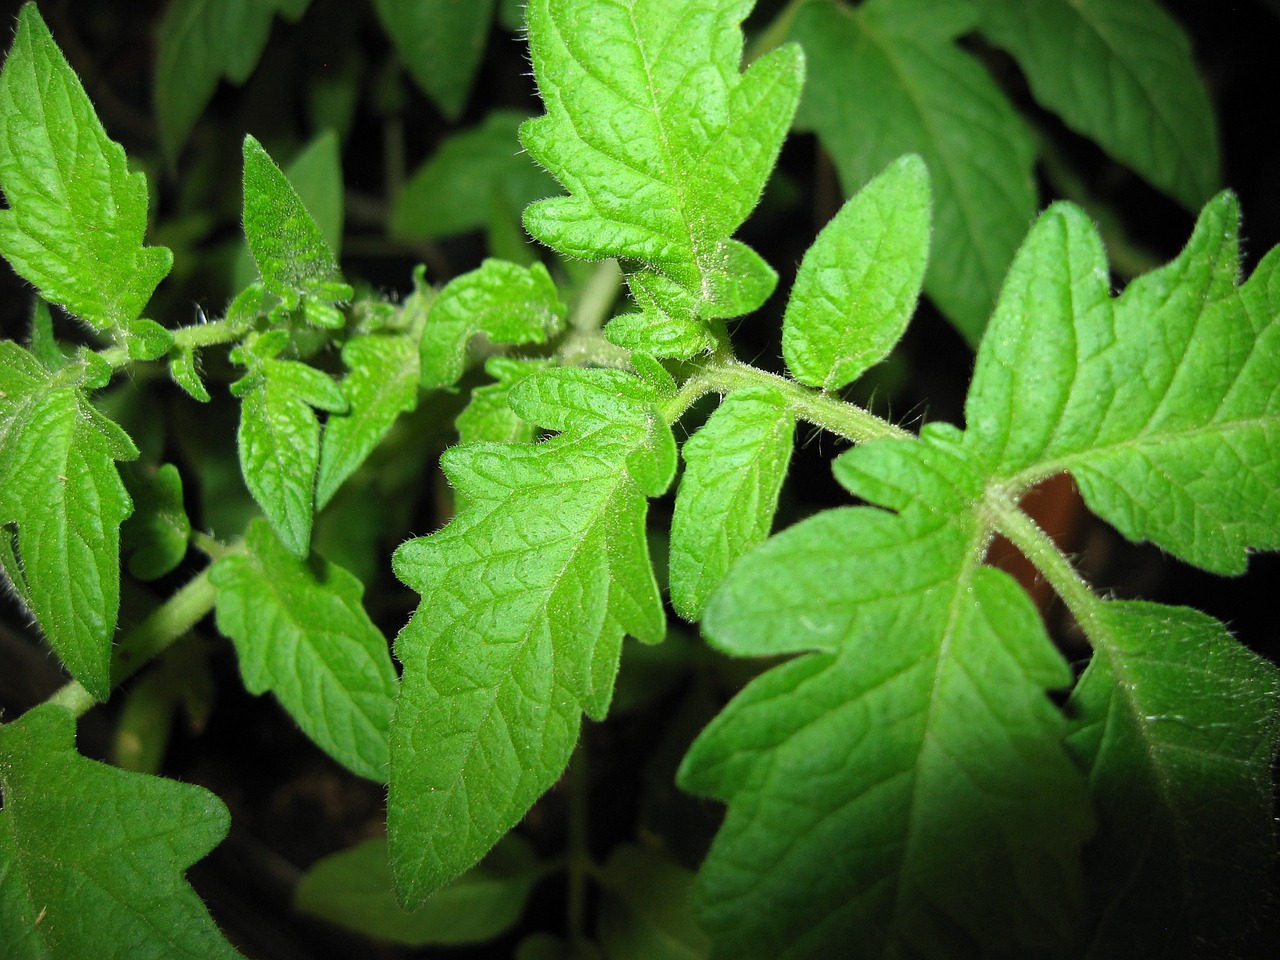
point(505, 301)
point(734, 468)
point(859, 282)
point(301, 632)
point(526, 595)
point(488, 416)
point(60, 489)
point(155, 536)
point(77, 216)
point(279, 436)
point(93, 855)
point(381, 384)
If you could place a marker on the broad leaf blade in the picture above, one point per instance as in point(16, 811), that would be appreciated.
point(99, 853)
point(525, 597)
point(858, 284)
point(77, 216)
point(441, 43)
point(886, 79)
point(1178, 726)
point(354, 889)
point(735, 465)
point(301, 632)
point(382, 384)
point(60, 487)
point(200, 42)
point(902, 791)
point(507, 302)
point(1120, 72)
point(1162, 404)
point(663, 145)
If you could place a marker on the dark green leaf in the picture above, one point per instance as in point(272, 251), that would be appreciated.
point(157, 532)
point(440, 42)
point(646, 912)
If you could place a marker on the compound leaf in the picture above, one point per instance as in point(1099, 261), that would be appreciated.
point(910, 750)
point(886, 79)
point(200, 42)
point(91, 855)
point(1177, 724)
point(858, 284)
point(505, 301)
point(663, 145)
point(381, 385)
point(526, 595)
point(1162, 403)
point(279, 439)
point(59, 486)
point(734, 468)
point(301, 632)
point(441, 43)
point(76, 216)
point(1120, 72)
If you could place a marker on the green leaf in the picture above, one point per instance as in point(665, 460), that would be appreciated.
point(182, 368)
point(526, 595)
point(453, 192)
point(44, 344)
point(382, 384)
point(1177, 724)
point(1120, 72)
point(1162, 404)
point(505, 301)
point(663, 145)
point(488, 416)
point(301, 632)
point(76, 216)
point(645, 913)
point(315, 174)
point(441, 43)
point(353, 888)
point(901, 788)
point(858, 284)
point(157, 533)
point(887, 79)
point(287, 244)
point(734, 470)
point(92, 856)
point(201, 42)
point(279, 440)
point(60, 488)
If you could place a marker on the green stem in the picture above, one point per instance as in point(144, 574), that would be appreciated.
point(193, 337)
point(821, 409)
point(597, 298)
point(167, 623)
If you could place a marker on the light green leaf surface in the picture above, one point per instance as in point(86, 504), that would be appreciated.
point(353, 888)
point(279, 440)
point(455, 190)
point(1178, 725)
point(92, 856)
point(288, 246)
point(381, 384)
point(201, 42)
point(441, 43)
point(663, 144)
point(645, 912)
point(505, 301)
point(885, 79)
point(734, 468)
point(60, 488)
point(1162, 403)
point(77, 216)
point(526, 595)
point(859, 282)
point(301, 632)
point(1120, 72)
point(902, 789)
